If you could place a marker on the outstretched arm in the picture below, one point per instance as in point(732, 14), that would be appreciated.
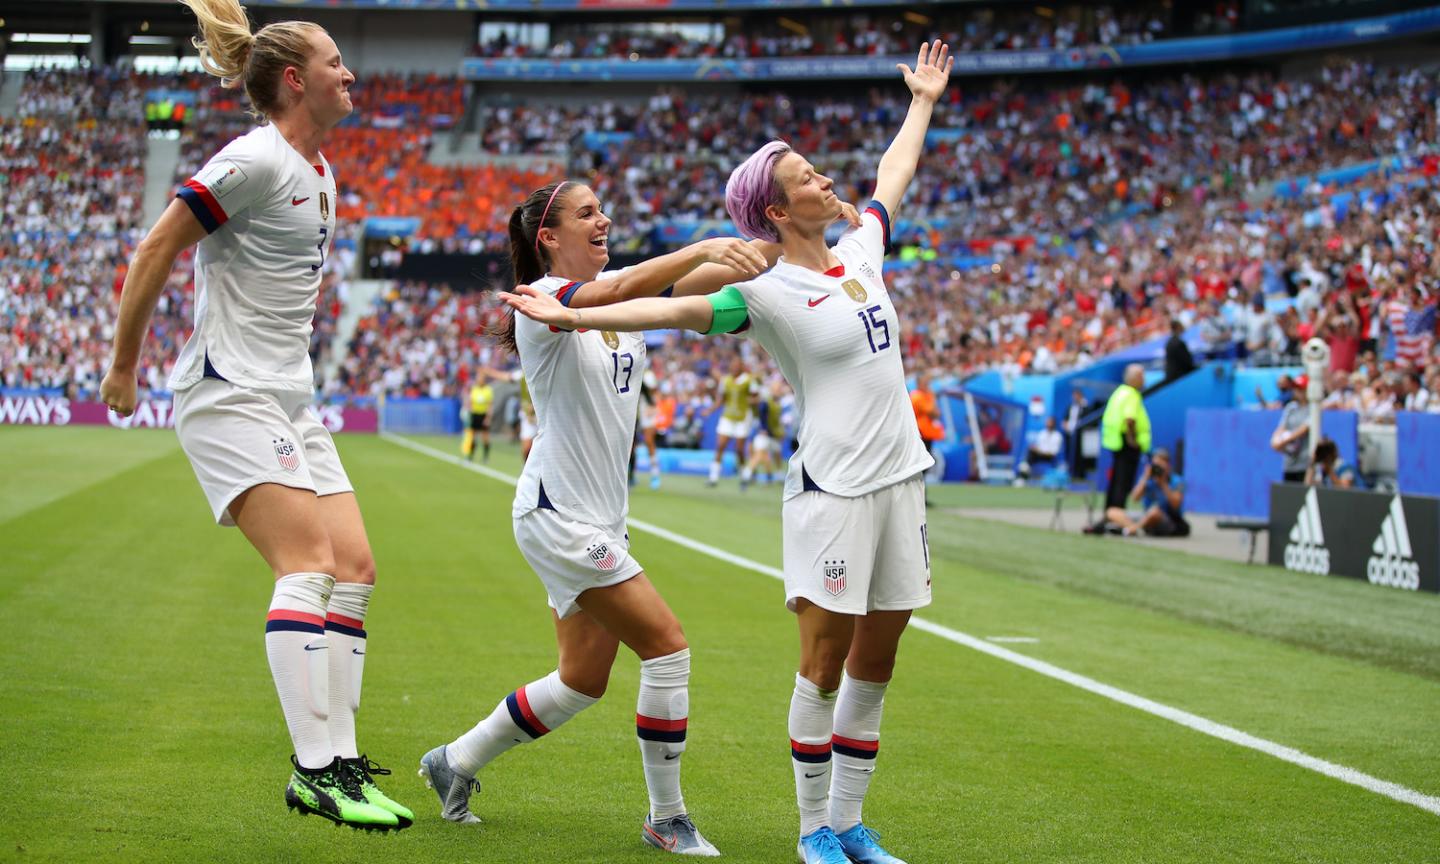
point(735, 257)
point(176, 230)
point(646, 313)
point(709, 278)
point(927, 84)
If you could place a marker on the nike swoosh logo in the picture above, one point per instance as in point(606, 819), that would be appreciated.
point(809, 776)
point(817, 301)
point(357, 651)
point(316, 647)
point(670, 756)
point(296, 202)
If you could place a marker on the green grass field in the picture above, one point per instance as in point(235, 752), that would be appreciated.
point(138, 721)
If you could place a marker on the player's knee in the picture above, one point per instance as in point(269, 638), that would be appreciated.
point(305, 561)
point(823, 667)
point(359, 570)
point(592, 683)
point(874, 669)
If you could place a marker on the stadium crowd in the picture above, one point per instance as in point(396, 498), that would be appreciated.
point(872, 32)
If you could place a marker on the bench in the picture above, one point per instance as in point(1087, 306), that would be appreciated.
point(1240, 523)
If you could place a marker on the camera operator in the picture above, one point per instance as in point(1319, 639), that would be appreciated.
point(1162, 501)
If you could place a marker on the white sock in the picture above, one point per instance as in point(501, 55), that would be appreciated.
point(521, 717)
point(345, 631)
point(856, 742)
point(299, 657)
point(655, 467)
point(661, 715)
point(745, 474)
point(812, 715)
point(714, 472)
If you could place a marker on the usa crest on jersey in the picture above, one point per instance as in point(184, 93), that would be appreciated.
point(834, 578)
point(288, 456)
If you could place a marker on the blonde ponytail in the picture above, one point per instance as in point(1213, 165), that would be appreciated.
point(230, 52)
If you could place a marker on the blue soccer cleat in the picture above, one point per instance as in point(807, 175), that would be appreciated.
point(859, 844)
point(821, 846)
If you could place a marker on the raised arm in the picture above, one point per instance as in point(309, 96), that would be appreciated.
point(737, 259)
point(701, 314)
point(927, 84)
point(177, 230)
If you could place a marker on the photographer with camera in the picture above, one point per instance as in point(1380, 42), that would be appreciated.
point(1162, 501)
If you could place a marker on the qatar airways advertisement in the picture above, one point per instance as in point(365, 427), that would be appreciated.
point(37, 410)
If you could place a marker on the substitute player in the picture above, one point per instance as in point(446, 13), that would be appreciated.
point(738, 392)
point(570, 507)
point(263, 212)
point(856, 551)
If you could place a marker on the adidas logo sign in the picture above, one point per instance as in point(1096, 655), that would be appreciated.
point(1306, 550)
point(1391, 564)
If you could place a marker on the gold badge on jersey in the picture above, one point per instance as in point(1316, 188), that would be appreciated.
point(854, 290)
point(611, 338)
point(324, 207)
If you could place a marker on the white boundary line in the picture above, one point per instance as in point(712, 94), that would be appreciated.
point(1200, 724)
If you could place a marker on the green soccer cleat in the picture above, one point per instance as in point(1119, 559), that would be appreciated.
point(333, 793)
point(365, 771)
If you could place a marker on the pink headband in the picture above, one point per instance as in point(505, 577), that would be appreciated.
point(547, 213)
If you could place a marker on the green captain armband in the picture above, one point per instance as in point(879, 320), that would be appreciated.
point(731, 312)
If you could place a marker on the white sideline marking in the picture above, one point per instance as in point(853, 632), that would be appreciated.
point(1395, 791)
point(1023, 640)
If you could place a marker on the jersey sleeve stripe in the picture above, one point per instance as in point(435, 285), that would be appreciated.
point(567, 291)
point(203, 205)
point(880, 213)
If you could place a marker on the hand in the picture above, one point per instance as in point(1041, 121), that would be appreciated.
point(849, 214)
point(931, 73)
point(734, 253)
point(118, 392)
point(539, 306)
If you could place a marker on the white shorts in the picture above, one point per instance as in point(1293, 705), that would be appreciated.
point(527, 427)
point(763, 443)
point(647, 415)
point(572, 557)
point(734, 428)
point(858, 555)
point(237, 438)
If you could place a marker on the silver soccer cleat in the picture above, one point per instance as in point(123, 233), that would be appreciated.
point(678, 835)
point(453, 788)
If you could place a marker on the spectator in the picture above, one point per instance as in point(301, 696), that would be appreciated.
point(1178, 362)
point(1289, 437)
point(927, 411)
point(1162, 501)
point(1328, 469)
point(1125, 432)
point(1044, 450)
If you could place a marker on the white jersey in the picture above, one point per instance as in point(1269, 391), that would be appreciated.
point(585, 386)
point(271, 218)
point(837, 339)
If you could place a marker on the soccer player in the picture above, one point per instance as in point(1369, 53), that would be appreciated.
point(570, 506)
point(856, 553)
point(482, 399)
point(738, 390)
point(770, 432)
point(263, 212)
point(649, 393)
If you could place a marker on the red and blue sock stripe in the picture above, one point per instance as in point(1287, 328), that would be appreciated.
point(348, 626)
point(300, 622)
point(523, 715)
point(855, 748)
point(813, 753)
point(656, 729)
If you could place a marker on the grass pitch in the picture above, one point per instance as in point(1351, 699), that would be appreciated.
point(138, 722)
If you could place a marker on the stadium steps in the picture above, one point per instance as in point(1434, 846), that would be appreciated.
point(359, 302)
point(161, 157)
point(10, 95)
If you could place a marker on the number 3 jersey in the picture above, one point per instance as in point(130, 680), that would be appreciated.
point(836, 338)
point(585, 385)
point(270, 215)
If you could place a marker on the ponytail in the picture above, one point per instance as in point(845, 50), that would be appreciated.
point(255, 61)
point(527, 258)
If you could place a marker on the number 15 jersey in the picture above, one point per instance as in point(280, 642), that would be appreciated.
point(270, 215)
point(836, 338)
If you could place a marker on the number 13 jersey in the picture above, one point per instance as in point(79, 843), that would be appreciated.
point(585, 385)
point(270, 215)
point(836, 338)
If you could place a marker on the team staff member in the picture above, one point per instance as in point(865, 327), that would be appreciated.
point(570, 507)
point(263, 212)
point(1125, 432)
point(856, 553)
point(738, 392)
